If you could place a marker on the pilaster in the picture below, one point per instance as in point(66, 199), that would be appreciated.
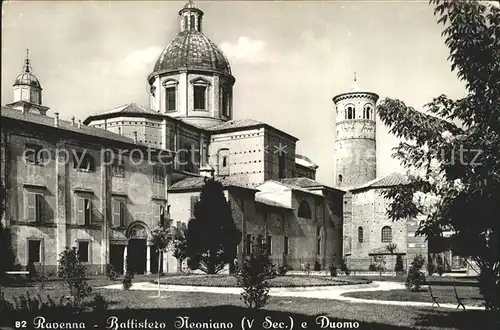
point(61, 196)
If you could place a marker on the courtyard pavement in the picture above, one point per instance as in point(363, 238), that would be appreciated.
point(320, 292)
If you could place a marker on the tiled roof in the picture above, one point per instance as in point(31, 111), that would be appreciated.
point(240, 124)
point(235, 123)
point(197, 183)
point(63, 124)
point(192, 50)
point(390, 180)
point(294, 187)
point(127, 109)
point(302, 182)
point(262, 200)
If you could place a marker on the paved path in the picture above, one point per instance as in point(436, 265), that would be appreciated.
point(319, 292)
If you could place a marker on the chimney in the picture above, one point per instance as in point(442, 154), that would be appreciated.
point(56, 119)
point(135, 136)
point(79, 123)
point(72, 120)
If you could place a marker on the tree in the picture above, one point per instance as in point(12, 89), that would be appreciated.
point(255, 271)
point(452, 153)
point(74, 274)
point(212, 235)
point(415, 276)
point(161, 238)
point(179, 245)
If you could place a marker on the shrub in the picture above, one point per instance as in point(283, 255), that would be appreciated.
point(372, 267)
point(26, 305)
point(399, 264)
point(74, 273)
point(344, 267)
point(129, 276)
point(99, 304)
point(317, 266)
point(111, 274)
point(440, 266)
point(307, 268)
point(41, 276)
point(282, 270)
point(32, 272)
point(255, 271)
point(415, 277)
point(333, 271)
point(380, 264)
point(431, 267)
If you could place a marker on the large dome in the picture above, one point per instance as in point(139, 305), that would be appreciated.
point(192, 50)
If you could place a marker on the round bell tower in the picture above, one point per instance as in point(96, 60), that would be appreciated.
point(355, 137)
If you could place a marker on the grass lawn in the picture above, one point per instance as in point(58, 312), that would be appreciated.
point(203, 307)
point(443, 294)
point(222, 280)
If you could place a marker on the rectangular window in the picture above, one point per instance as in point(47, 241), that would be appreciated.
point(200, 97)
point(248, 244)
point(84, 211)
point(281, 166)
point(170, 100)
point(117, 168)
point(34, 207)
point(82, 161)
point(285, 247)
point(158, 174)
point(83, 251)
point(33, 154)
point(159, 215)
point(269, 245)
point(118, 207)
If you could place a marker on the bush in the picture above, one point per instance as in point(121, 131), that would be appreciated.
point(25, 305)
point(74, 274)
point(32, 272)
point(415, 277)
point(129, 276)
point(282, 270)
point(399, 264)
point(372, 267)
point(111, 274)
point(333, 271)
point(344, 267)
point(41, 276)
point(307, 268)
point(440, 266)
point(99, 304)
point(317, 266)
point(255, 272)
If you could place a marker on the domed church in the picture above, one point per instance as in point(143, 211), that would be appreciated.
point(82, 184)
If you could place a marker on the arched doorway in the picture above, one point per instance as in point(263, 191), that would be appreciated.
point(137, 248)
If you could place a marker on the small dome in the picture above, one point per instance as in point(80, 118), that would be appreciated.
point(192, 50)
point(27, 78)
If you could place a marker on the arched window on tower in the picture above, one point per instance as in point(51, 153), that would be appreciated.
point(386, 234)
point(191, 23)
point(350, 112)
point(360, 234)
point(340, 178)
point(224, 100)
point(304, 210)
point(367, 112)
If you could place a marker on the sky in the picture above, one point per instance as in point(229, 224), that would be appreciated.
point(289, 58)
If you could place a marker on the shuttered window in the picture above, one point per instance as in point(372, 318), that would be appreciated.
point(84, 211)
point(159, 215)
point(118, 209)
point(34, 207)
